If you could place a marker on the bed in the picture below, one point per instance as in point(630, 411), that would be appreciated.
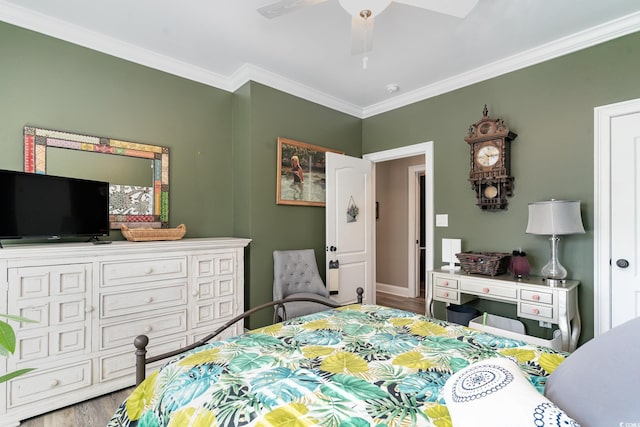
point(356, 365)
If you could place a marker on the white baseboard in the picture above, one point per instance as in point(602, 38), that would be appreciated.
point(393, 290)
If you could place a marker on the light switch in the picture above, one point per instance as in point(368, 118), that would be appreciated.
point(442, 220)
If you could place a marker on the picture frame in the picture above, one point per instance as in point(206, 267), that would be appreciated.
point(124, 200)
point(300, 178)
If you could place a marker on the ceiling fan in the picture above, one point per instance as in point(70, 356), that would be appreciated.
point(364, 11)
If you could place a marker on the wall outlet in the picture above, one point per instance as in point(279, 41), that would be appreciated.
point(545, 324)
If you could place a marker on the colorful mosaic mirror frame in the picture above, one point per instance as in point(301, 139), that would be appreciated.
point(37, 140)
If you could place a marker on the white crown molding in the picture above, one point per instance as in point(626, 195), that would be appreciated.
point(249, 72)
point(584, 39)
point(71, 33)
point(63, 30)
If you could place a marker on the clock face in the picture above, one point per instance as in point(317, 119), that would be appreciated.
point(488, 155)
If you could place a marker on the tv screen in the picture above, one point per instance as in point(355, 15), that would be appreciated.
point(53, 207)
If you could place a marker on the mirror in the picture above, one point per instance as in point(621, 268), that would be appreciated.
point(138, 174)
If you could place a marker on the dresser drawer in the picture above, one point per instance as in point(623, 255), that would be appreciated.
point(43, 384)
point(534, 311)
point(489, 289)
point(35, 282)
point(60, 341)
point(124, 364)
point(142, 300)
point(206, 313)
point(446, 282)
point(143, 270)
point(214, 264)
point(536, 296)
point(212, 287)
point(123, 333)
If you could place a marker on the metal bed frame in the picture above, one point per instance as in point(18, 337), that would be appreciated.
point(141, 341)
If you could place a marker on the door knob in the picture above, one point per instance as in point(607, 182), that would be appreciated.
point(622, 263)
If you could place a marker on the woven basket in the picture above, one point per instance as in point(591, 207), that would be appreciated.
point(151, 234)
point(487, 263)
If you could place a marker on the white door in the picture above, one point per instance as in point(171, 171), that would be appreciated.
point(349, 240)
point(625, 215)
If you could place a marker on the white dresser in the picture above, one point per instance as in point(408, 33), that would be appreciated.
point(91, 301)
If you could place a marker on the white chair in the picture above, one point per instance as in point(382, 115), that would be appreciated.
point(295, 275)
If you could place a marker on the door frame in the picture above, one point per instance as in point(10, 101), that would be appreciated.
point(426, 149)
point(602, 209)
point(413, 275)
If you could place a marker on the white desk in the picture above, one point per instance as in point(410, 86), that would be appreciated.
point(534, 298)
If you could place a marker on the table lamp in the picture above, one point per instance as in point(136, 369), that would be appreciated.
point(554, 217)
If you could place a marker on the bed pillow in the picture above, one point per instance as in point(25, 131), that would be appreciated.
point(495, 393)
point(598, 383)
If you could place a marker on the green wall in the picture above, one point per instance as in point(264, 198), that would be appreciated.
point(53, 84)
point(550, 107)
point(263, 115)
point(223, 145)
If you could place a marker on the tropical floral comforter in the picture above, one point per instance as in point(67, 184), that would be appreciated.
point(352, 366)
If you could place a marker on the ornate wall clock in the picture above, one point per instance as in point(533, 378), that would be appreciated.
point(490, 170)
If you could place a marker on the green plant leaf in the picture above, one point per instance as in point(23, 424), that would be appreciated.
point(14, 374)
point(7, 339)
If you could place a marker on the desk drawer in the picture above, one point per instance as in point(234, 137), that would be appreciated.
point(143, 270)
point(446, 282)
point(489, 290)
point(534, 311)
point(447, 295)
point(537, 297)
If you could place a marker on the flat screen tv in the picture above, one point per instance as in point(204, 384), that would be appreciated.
point(52, 207)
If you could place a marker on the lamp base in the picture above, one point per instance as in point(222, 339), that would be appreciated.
point(554, 282)
point(553, 269)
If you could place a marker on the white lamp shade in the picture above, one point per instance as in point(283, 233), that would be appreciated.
point(354, 7)
point(555, 217)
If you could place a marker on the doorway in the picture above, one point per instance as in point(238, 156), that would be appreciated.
point(422, 215)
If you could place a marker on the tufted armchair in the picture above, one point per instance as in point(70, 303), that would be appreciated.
point(295, 274)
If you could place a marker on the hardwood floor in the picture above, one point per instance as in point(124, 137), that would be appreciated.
point(92, 413)
point(416, 305)
point(96, 412)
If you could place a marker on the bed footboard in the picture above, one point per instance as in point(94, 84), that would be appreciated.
point(141, 341)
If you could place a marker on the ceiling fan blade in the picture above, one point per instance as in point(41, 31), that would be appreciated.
point(457, 8)
point(283, 7)
point(361, 35)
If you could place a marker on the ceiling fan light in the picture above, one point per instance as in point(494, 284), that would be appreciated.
point(354, 7)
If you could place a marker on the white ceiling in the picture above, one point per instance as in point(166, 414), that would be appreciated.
point(225, 43)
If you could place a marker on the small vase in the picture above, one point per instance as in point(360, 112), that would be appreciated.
point(519, 265)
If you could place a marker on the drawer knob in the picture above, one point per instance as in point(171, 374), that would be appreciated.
point(195, 293)
point(147, 300)
point(445, 283)
point(536, 297)
point(535, 311)
point(88, 309)
point(53, 383)
point(148, 270)
point(147, 328)
point(446, 294)
point(485, 290)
